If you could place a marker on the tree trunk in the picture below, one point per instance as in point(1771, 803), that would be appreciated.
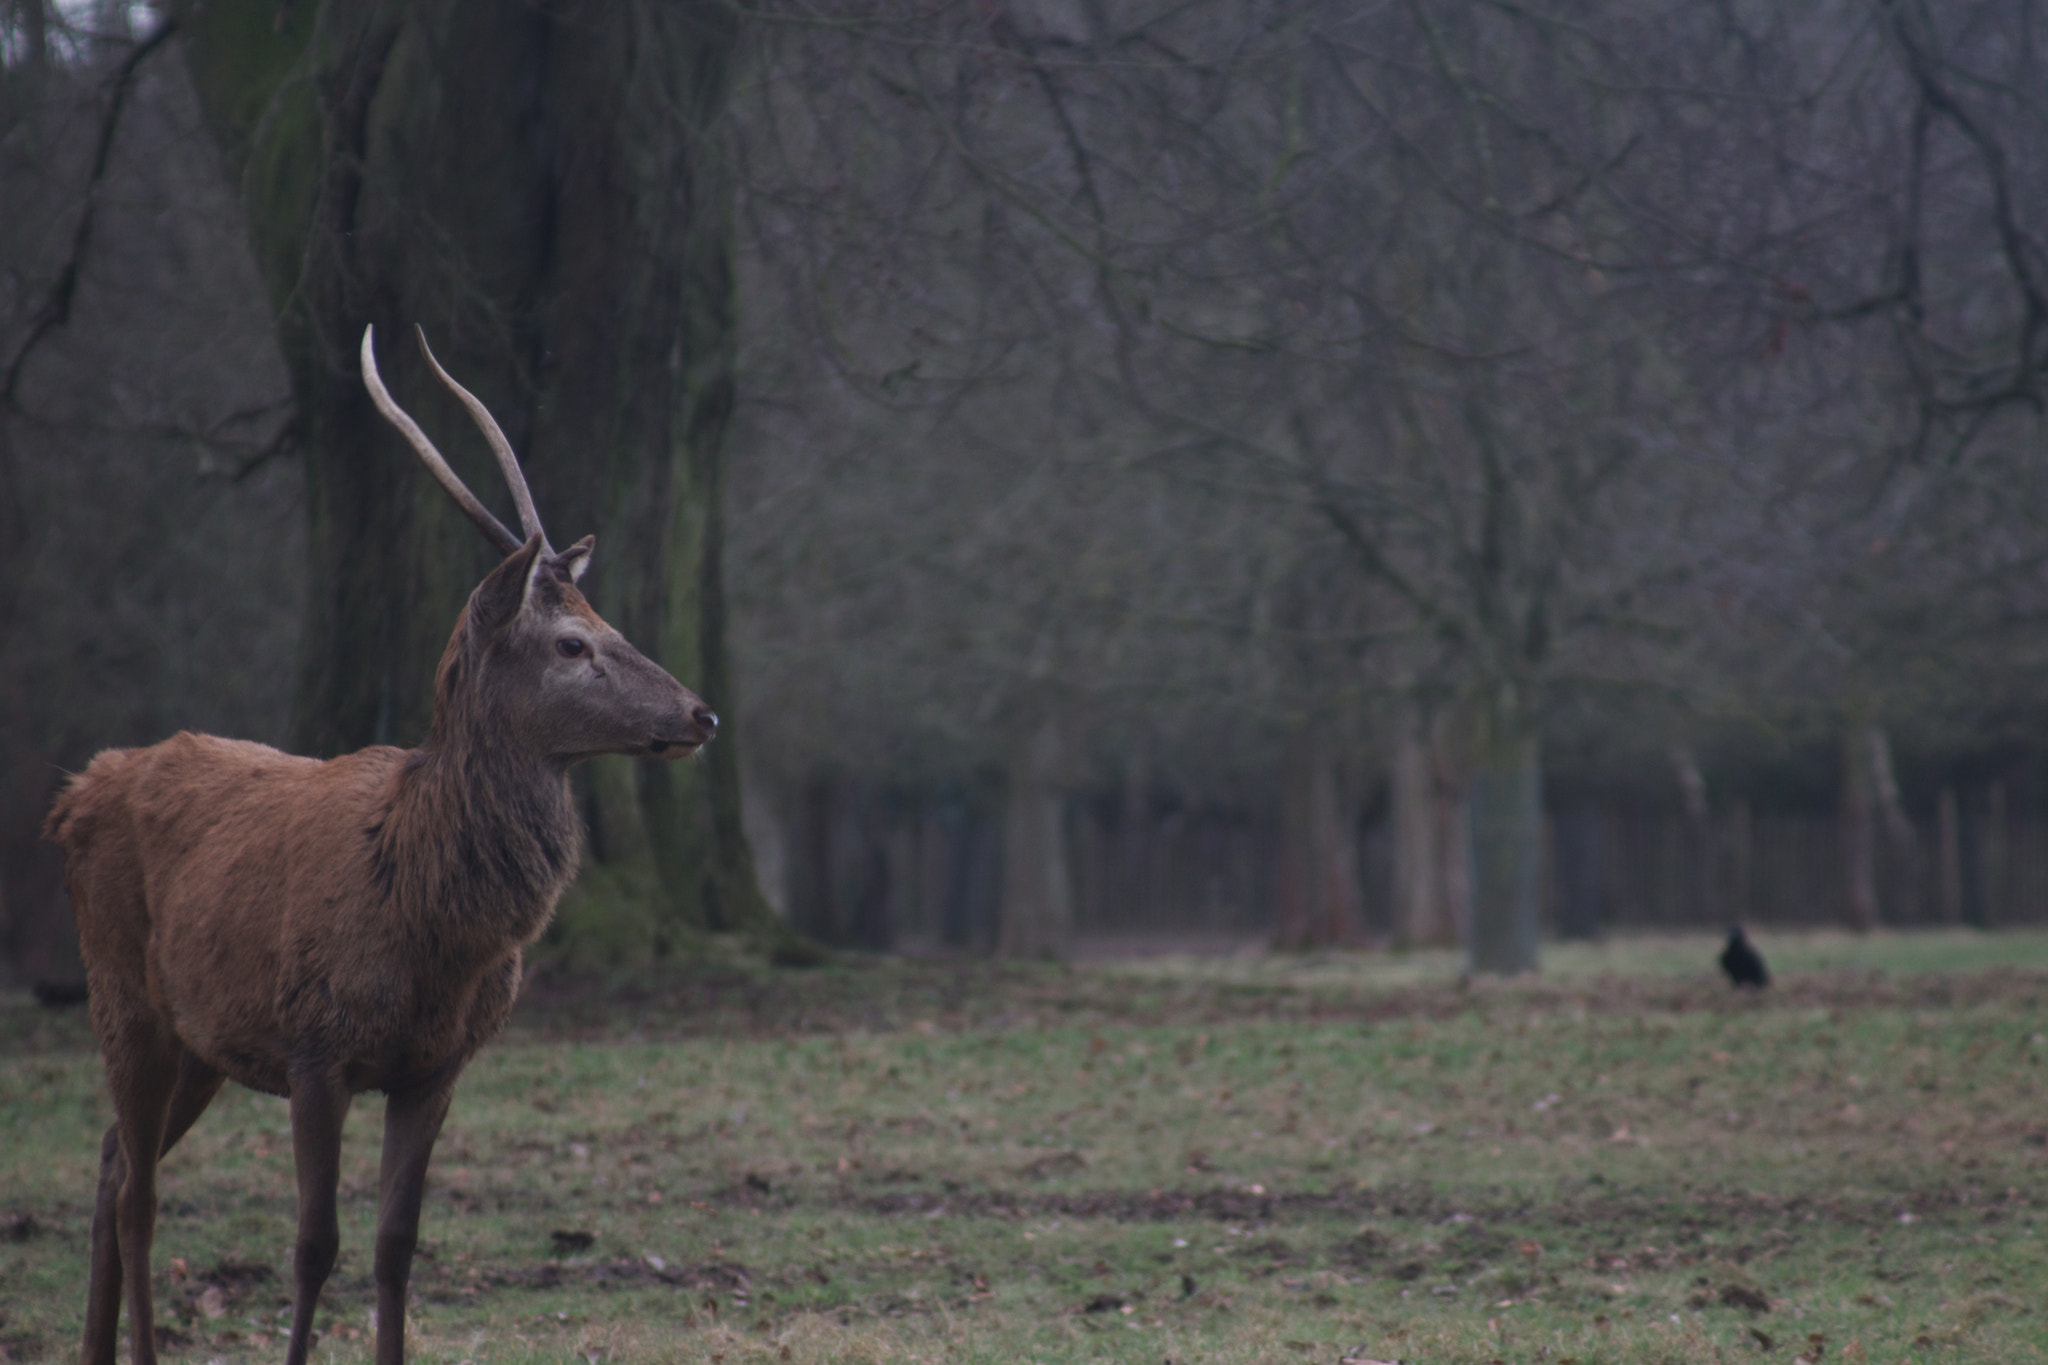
point(1859, 833)
point(1905, 872)
point(1422, 913)
point(1454, 848)
point(1579, 848)
point(32, 33)
point(1037, 909)
point(1698, 872)
point(1948, 826)
point(1993, 858)
point(532, 183)
point(1134, 843)
point(1318, 891)
point(1507, 841)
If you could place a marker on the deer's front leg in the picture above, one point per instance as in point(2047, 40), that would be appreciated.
point(319, 1105)
point(412, 1120)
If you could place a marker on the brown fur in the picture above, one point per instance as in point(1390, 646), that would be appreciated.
point(317, 929)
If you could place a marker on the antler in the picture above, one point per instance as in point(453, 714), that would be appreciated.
point(529, 520)
point(493, 529)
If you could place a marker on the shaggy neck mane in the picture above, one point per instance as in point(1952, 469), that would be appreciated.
point(479, 825)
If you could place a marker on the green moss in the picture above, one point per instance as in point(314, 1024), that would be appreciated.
point(608, 919)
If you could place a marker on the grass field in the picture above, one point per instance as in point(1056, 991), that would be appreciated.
point(1185, 1160)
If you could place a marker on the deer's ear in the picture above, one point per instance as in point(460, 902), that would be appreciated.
point(506, 592)
point(575, 561)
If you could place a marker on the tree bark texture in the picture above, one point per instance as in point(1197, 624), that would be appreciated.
point(1424, 915)
point(1318, 891)
point(1507, 842)
point(532, 183)
point(1038, 902)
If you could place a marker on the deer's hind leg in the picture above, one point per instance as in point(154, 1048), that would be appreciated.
point(197, 1084)
point(103, 1285)
point(145, 1070)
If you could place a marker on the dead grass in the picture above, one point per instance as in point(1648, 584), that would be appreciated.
point(1217, 1160)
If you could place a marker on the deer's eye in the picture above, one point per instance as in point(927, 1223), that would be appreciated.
point(569, 647)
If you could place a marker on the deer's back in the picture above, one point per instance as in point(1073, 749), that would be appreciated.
point(225, 875)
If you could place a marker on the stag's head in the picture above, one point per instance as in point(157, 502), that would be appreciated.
point(565, 683)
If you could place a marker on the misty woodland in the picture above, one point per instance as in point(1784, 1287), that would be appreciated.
point(1326, 473)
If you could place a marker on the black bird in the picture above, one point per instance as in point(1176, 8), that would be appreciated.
point(1743, 963)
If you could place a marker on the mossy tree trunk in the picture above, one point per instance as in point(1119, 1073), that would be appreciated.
point(538, 185)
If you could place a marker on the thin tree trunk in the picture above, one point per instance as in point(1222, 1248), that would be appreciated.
point(533, 184)
point(1698, 871)
point(1318, 889)
point(1037, 918)
point(1454, 848)
point(1507, 841)
point(1994, 848)
point(1948, 823)
point(1905, 874)
point(1859, 834)
point(1420, 916)
point(33, 28)
point(1134, 847)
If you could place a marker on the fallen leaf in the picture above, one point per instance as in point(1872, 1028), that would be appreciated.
point(212, 1303)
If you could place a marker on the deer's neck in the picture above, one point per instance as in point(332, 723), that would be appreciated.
point(482, 840)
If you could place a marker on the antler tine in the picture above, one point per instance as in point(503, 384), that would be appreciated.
point(529, 519)
point(492, 528)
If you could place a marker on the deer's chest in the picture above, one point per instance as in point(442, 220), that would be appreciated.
point(442, 1029)
point(397, 1029)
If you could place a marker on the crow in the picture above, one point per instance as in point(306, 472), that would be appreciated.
point(1743, 963)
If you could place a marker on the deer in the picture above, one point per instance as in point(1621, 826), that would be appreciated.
point(317, 928)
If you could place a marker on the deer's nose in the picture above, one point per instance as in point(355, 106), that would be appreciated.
point(705, 718)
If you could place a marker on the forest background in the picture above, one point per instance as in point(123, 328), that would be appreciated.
point(1313, 473)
